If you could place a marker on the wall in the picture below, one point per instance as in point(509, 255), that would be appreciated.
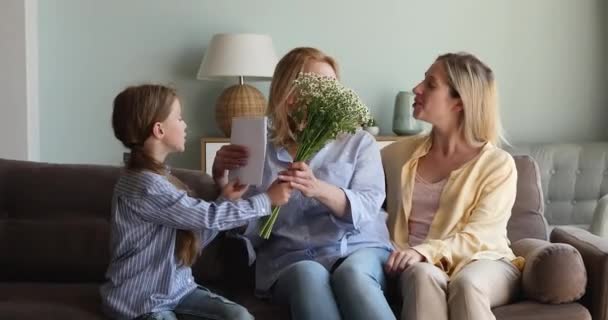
point(19, 136)
point(547, 55)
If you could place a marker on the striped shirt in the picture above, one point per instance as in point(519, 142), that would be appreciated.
point(144, 274)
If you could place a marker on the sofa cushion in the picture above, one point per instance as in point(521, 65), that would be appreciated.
point(574, 178)
point(48, 311)
point(54, 225)
point(50, 301)
point(61, 249)
point(554, 272)
point(529, 310)
point(527, 220)
point(259, 308)
point(54, 220)
point(200, 183)
point(42, 190)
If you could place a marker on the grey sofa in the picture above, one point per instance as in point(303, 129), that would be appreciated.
point(54, 246)
point(574, 179)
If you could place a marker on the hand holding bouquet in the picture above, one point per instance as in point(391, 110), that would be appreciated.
point(324, 109)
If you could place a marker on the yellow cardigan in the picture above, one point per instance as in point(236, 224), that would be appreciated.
point(474, 206)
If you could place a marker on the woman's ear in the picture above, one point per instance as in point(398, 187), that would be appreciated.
point(157, 130)
point(458, 107)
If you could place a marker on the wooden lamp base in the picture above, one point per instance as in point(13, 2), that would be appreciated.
point(240, 100)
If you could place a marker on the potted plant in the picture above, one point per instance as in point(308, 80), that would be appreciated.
point(372, 127)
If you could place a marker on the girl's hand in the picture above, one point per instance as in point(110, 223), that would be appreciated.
point(233, 190)
point(300, 177)
point(228, 157)
point(279, 193)
point(401, 260)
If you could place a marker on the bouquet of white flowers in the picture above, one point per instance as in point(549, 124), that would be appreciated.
point(324, 109)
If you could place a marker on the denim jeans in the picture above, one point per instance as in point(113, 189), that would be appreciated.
point(354, 290)
point(202, 304)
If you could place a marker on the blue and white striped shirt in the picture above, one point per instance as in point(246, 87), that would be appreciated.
point(144, 274)
point(307, 229)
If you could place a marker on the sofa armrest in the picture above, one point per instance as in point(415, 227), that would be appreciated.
point(525, 247)
point(554, 272)
point(594, 251)
point(599, 226)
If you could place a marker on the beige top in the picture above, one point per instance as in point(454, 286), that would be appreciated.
point(425, 202)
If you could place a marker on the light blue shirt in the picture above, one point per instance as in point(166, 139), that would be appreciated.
point(307, 229)
point(144, 275)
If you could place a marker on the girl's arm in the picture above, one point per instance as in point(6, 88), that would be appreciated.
point(164, 204)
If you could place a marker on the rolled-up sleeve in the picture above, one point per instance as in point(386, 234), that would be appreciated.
point(366, 191)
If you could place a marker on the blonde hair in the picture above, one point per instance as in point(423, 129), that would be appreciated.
point(473, 82)
point(286, 71)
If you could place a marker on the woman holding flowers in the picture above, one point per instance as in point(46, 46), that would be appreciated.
point(449, 197)
point(325, 253)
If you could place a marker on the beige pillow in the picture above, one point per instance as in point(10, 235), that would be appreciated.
point(553, 273)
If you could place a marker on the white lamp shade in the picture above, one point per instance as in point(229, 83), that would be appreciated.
point(238, 55)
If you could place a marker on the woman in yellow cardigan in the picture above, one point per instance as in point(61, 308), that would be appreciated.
point(449, 197)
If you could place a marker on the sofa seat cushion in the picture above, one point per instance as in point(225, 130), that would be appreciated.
point(20, 301)
point(261, 309)
point(30, 300)
point(529, 310)
point(23, 310)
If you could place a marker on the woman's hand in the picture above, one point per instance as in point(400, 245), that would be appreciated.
point(300, 177)
point(401, 260)
point(228, 157)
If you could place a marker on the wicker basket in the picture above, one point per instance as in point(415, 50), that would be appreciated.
point(238, 101)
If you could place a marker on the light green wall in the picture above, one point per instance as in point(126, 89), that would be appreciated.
point(547, 55)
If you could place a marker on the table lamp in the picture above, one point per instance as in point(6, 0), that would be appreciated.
point(238, 56)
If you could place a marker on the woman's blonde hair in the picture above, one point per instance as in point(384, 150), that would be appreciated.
point(473, 82)
point(286, 71)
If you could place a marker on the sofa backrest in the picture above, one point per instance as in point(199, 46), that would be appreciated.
point(54, 219)
point(527, 220)
point(573, 177)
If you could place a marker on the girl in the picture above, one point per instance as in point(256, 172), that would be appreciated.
point(325, 256)
point(157, 229)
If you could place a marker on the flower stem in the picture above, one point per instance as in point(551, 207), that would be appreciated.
point(269, 223)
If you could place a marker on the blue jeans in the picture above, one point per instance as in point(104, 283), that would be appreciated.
point(202, 304)
point(353, 291)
